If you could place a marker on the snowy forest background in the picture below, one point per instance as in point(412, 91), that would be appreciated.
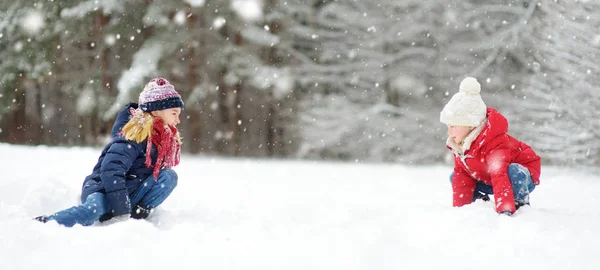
point(319, 79)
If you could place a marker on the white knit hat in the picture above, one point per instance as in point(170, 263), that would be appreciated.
point(465, 108)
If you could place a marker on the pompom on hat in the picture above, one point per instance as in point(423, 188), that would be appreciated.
point(159, 94)
point(465, 108)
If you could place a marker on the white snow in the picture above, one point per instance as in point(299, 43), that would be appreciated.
point(85, 101)
point(18, 47)
point(279, 79)
point(33, 22)
point(257, 214)
point(259, 36)
point(408, 85)
point(219, 22)
point(248, 10)
point(83, 9)
point(110, 39)
point(284, 85)
point(195, 3)
point(180, 17)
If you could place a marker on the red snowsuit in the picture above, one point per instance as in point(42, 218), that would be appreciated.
point(486, 158)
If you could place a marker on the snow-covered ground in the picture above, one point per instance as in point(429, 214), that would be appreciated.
point(259, 214)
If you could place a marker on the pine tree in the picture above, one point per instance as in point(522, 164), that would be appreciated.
point(559, 98)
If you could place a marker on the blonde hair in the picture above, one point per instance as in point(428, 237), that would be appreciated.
point(139, 126)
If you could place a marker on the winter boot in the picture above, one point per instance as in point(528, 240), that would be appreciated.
point(42, 219)
point(519, 204)
point(106, 217)
point(138, 212)
point(478, 195)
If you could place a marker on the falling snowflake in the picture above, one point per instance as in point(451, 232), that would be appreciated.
point(33, 22)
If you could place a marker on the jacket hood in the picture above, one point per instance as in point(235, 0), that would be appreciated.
point(496, 124)
point(122, 118)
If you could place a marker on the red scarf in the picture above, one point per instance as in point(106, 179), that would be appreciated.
point(166, 141)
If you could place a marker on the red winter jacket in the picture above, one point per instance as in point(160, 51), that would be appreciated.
point(486, 159)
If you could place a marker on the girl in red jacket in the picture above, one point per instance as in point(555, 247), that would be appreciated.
point(486, 159)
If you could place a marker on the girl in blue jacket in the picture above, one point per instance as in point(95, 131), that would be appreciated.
point(132, 175)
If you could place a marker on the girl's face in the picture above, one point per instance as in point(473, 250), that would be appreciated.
point(459, 133)
point(169, 116)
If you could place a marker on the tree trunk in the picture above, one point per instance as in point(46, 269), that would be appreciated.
point(194, 79)
point(274, 129)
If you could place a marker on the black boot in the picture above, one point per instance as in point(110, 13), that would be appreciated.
point(42, 219)
point(519, 204)
point(106, 217)
point(481, 196)
point(138, 212)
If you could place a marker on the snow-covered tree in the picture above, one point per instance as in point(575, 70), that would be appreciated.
point(68, 52)
point(221, 56)
point(368, 61)
point(28, 41)
point(394, 63)
point(539, 69)
point(384, 70)
point(339, 79)
point(559, 99)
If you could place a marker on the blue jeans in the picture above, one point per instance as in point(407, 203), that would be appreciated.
point(520, 179)
point(150, 194)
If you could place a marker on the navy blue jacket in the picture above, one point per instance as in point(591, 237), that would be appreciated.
point(120, 168)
